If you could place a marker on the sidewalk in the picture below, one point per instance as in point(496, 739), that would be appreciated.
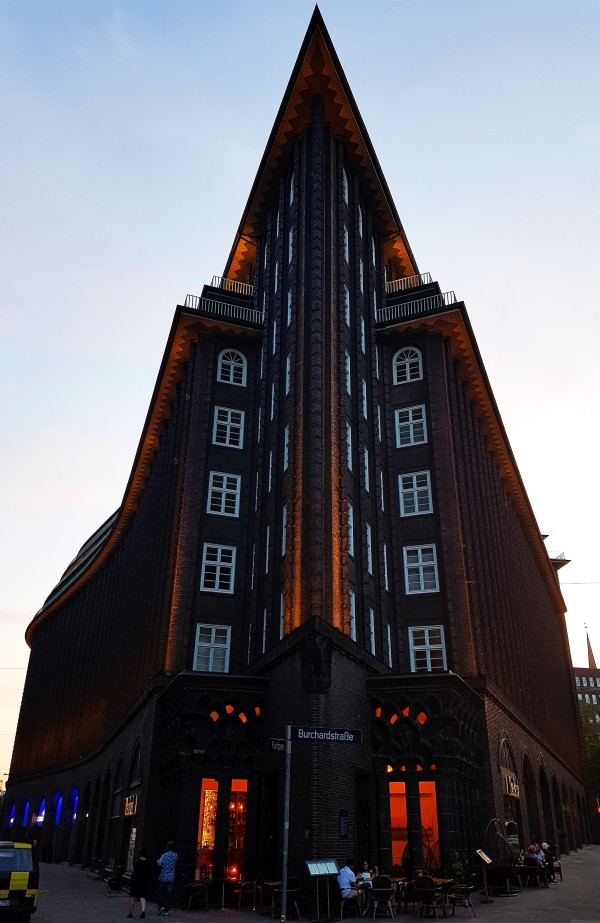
point(68, 895)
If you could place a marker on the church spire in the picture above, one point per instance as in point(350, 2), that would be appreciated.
point(591, 658)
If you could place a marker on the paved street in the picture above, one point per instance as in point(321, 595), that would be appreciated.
point(68, 895)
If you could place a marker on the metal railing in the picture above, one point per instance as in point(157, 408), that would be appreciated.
point(412, 308)
point(401, 285)
point(230, 285)
point(222, 309)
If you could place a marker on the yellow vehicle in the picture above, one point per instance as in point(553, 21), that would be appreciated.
point(19, 881)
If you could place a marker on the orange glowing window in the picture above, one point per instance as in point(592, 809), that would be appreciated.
point(421, 717)
point(257, 710)
point(229, 709)
point(242, 717)
point(403, 769)
point(378, 713)
point(405, 711)
point(206, 826)
point(389, 768)
point(419, 768)
point(393, 719)
point(398, 820)
point(429, 813)
point(214, 715)
point(433, 766)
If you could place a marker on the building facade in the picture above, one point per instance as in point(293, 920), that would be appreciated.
point(324, 527)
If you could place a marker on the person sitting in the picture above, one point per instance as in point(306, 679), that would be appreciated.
point(533, 860)
point(347, 881)
point(550, 860)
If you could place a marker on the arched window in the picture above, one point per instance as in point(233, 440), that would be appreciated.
point(13, 811)
point(74, 803)
point(408, 365)
point(232, 367)
point(41, 814)
point(25, 813)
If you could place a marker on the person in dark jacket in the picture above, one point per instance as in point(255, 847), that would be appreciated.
point(140, 883)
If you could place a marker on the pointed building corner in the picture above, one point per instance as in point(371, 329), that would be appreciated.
point(591, 658)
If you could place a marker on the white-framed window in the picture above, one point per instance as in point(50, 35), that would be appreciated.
point(415, 493)
point(346, 245)
point(386, 581)
point(372, 631)
point(587, 698)
point(420, 569)
point(352, 607)
point(348, 371)
point(289, 307)
point(218, 568)
point(272, 400)
point(288, 373)
point(276, 278)
point(232, 367)
point(349, 445)
point(267, 548)
point(228, 427)
point(350, 530)
point(374, 251)
point(211, 650)
point(411, 426)
point(577, 681)
point(407, 365)
point(345, 186)
point(379, 422)
point(375, 302)
point(274, 345)
point(262, 361)
point(277, 224)
point(347, 305)
point(427, 649)
point(265, 256)
point(270, 474)
point(365, 403)
point(369, 549)
point(389, 644)
point(363, 339)
point(223, 494)
point(286, 447)
point(366, 473)
point(281, 615)
point(584, 680)
point(284, 531)
point(377, 361)
point(259, 428)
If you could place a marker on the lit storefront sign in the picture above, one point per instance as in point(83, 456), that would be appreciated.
point(510, 784)
point(130, 805)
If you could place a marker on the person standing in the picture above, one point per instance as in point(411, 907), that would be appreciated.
point(140, 883)
point(167, 863)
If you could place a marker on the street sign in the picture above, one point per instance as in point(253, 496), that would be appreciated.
point(327, 735)
point(278, 744)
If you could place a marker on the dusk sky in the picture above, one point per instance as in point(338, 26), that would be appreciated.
point(131, 134)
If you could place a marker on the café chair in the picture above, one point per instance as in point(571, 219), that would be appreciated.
point(293, 890)
point(245, 890)
point(353, 898)
point(194, 891)
point(381, 897)
point(429, 896)
point(460, 896)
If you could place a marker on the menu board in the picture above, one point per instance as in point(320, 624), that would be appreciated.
point(322, 867)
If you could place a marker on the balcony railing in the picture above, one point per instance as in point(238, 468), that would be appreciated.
point(401, 285)
point(230, 285)
point(222, 309)
point(412, 308)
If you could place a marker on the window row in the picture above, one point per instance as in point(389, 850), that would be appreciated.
point(426, 644)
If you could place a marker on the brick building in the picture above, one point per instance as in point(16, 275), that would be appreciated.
point(324, 526)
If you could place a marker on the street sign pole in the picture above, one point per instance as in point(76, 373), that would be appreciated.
point(286, 820)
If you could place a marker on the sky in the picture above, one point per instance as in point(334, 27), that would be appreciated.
point(131, 134)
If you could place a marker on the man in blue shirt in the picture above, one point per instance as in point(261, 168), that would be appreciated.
point(167, 863)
